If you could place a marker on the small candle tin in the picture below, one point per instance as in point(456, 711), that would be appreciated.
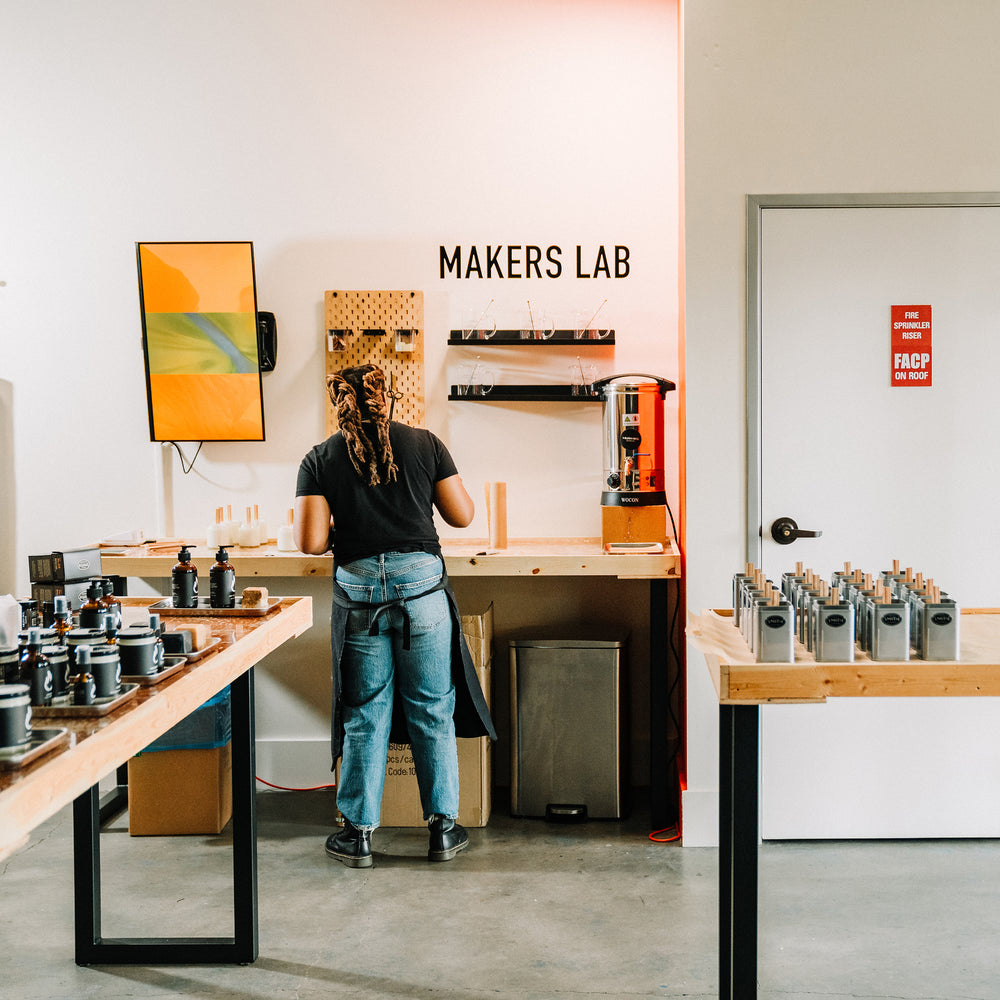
point(15, 716)
point(939, 623)
point(58, 657)
point(105, 665)
point(140, 651)
point(49, 636)
point(84, 637)
point(890, 636)
point(10, 665)
point(834, 633)
point(775, 633)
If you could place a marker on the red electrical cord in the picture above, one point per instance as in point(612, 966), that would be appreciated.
point(666, 840)
point(285, 788)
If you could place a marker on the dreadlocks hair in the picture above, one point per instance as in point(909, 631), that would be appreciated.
point(359, 396)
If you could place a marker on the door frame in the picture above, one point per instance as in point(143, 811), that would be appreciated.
point(756, 204)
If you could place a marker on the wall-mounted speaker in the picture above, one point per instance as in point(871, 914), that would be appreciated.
point(267, 341)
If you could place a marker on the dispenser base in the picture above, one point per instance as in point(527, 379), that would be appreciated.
point(634, 524)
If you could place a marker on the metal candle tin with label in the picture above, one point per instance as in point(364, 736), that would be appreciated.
point(833, 637)
point(890, 636)
point(774, 633)
point(939, 630)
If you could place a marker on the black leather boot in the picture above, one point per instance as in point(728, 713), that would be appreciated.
point(351, 846)
point(447, 839)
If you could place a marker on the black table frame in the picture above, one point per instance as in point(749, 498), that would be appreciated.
point(739, 727)
point(242, 947)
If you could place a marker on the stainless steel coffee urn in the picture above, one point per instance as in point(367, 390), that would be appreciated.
point(634, 477)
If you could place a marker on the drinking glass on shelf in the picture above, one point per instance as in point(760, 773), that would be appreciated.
point(582, 377)
point(475, 326)
point(585, 327)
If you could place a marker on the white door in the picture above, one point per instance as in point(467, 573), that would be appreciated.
point(885, 472)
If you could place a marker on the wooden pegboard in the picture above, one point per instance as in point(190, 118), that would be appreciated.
point(349, 314)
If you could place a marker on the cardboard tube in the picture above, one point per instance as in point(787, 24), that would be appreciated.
point(496, 513)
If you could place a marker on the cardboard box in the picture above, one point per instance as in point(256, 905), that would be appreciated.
point(401, 796)
point(180, 791)
point(73, 564)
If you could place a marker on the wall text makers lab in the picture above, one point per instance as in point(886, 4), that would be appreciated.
point(526, 260)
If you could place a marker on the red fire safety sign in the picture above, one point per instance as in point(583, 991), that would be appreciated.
point(910, 355)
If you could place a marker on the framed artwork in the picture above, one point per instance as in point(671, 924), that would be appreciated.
point(199, 337)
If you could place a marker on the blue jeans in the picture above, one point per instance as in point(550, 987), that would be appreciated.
point(374, 667)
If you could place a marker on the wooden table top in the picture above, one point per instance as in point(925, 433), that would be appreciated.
point(97, 745)
point(740, 680)
point(522, 557)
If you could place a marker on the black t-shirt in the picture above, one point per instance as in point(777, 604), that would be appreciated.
point(393, 517)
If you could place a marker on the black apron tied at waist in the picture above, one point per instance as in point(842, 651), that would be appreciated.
point(383, 607)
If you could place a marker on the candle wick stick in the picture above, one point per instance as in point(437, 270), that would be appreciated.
point(586, 325)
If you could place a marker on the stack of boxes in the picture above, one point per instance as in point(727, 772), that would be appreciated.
point(67, 572)
point(183, 781)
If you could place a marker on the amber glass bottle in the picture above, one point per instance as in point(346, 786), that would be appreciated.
point(185, 580)
point(222, 581)
point(92, 612)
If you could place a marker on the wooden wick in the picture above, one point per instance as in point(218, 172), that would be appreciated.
point(895, 567)
point(847, 569)
point(834, 595)
point(798, 569)
point(774, 598)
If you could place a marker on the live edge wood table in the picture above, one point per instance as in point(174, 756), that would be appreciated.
point(96, 746)
point(523, 558)
point(743, 685)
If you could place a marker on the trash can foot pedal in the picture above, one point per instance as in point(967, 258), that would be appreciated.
point(565, 813)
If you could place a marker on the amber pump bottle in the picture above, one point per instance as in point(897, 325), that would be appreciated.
point(36, 671)
point(110, 603)
point(184, 580)
point(62, 618)
point(92, 612)
point(222, 581)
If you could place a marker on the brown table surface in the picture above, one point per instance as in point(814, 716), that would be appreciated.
point(97, 745)
point(739, 680)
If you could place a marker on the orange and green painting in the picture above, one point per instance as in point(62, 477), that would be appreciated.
point(200, 336)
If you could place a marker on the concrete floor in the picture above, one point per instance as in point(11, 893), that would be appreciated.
point(531, 910)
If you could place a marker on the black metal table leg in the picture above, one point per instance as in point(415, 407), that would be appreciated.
point(738, 834)
point(241, 948)
point(663, 775)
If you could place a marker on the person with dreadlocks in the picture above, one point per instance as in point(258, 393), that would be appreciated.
point(401, 668)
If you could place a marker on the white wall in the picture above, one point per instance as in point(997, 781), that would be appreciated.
point(782, 96)
point(348, 141)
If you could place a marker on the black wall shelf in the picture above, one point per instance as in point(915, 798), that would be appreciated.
point(526, 393)
point(508, 337)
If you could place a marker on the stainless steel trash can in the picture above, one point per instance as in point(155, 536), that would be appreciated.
point(569, 728)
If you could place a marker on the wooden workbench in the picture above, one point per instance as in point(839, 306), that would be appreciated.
point(743, 685)
point(98, 745)
point(468, 559)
